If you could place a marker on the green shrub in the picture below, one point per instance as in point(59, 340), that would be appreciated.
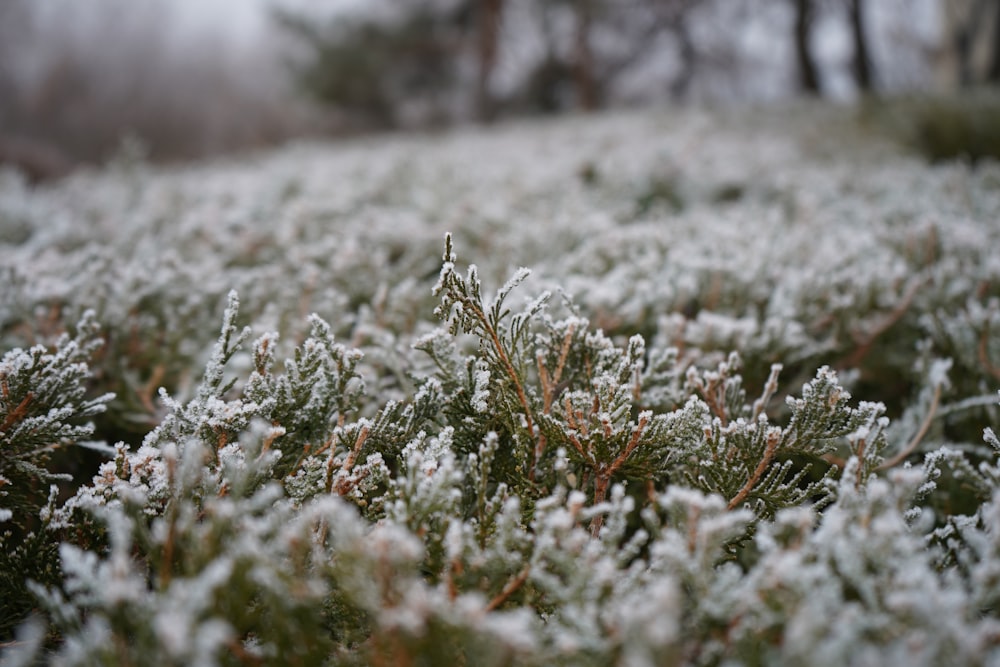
point(752, 430)
point(964, 126)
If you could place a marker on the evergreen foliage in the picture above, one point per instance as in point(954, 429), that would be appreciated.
point(646, 452)
point(376, 69)
point(963, 126)
point(43, 406)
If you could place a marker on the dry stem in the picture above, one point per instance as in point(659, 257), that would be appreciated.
point(866, 341)
point(601, 482)
point(921, 432)
point(146, 392)
point(769, 389)
point(509, 589)
point(166, 565)
point(632, 444)
point(17, 413)
point(603, 475)
point(773, 439)
point(508, 366)
point(984, 357)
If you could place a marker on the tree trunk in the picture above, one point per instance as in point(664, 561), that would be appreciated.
point(808, 71)
point(586, 83)
point(681, 84)
point(490, 16)
point(994, 74)
point(863, 69)
point(964, 38)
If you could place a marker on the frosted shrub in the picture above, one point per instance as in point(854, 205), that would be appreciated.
point(529, 547)
point(43, 408)
point(714, 432)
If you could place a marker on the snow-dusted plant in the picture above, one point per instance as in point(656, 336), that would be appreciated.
point(657, 460)
point(524, 507)
point(43, 408)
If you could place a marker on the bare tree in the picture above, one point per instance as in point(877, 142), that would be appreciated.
point(680, 29)
point(21, 144)
point(490, 21)
point(862, 64)
point(994, 73)
point(15, 29)
point(639, 24)
point(807, 68)
point(964, 34)
point(583, 57)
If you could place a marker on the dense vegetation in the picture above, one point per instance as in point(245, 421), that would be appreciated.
point(738, 412)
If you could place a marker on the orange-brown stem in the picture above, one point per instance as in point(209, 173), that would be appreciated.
point(601, 482)
point(512, 586)
point(867, 341)
point(984, 356)
point(632, 444)
point(522, 397)
point(921, 432)
point(773, 440)
point(18, 413)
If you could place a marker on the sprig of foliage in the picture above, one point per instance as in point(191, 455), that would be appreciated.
point(43, 408)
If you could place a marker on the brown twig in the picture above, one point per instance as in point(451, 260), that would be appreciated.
point(866, 341)
point(861, 463)
point(574, 419)
point(551, 388)
point(512, 586)
point(344, 486)
point(146, 392)
point(575, 441)
point(984, 355)
point(18, 413)
point(694, 513)
point(167, 564)
point(352, 457)
point(271, 437)
point(833, 459)
point(601, 482)
point(773, 440)
point(709, 391)
point(921, 432)
point(564, 352)
point(572, 416)
point(455, 567)
point(508, 366)
point(244, 656)
point(632, 444)
point(603, 474)
point(306, 448)
point(769, 389)
point(550, 384)
point(714, 291)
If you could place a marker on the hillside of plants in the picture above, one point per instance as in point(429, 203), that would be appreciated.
point(671, 387)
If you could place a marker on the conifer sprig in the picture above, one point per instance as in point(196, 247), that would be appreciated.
point(44, 407)
point(502, 334)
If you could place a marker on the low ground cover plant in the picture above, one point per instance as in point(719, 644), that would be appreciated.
point(750, 422)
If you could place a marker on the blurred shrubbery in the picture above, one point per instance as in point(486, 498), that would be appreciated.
point(964, 125)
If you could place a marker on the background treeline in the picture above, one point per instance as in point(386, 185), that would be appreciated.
point(188, 81)
point(480, 58)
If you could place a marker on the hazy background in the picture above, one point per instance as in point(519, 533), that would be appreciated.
point(186, 79)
